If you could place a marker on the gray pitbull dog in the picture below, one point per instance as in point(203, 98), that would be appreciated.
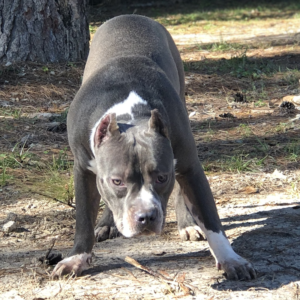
point(130, 134)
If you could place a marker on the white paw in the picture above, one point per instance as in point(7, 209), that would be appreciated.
point(191, 233)
point(73, 265)
point(234, 266)
point(237, 268)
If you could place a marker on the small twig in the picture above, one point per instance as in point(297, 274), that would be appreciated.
point(51, 259)
point(186, 288)
point(141, 267)
point(55, 199)
point(131, 274)
point(50, 249)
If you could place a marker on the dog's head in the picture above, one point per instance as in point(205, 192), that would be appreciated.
point(135, 172)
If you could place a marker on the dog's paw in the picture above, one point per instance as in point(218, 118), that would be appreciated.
point(191, 233)
point(73, 265)
point(106, 232)
point(237, 268)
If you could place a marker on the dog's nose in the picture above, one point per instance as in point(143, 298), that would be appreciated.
point(146, 217)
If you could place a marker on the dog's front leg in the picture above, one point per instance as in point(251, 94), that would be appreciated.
point(87, 205)
point(199, 200)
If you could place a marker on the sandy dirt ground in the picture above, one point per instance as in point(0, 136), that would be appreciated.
point(260, 212)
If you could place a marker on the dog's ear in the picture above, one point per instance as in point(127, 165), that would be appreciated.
point(107, 128)
point(157, 124)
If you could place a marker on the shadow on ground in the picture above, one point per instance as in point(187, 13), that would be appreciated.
point(242, 66)
point(273, 248)
point(192, 11)
point(271, 244)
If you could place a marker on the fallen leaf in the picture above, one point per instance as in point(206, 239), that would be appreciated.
point(249, 190)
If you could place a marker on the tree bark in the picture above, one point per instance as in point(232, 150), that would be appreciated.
point(43, 30)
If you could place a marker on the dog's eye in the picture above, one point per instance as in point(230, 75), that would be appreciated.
point(117, 182)
point(161, 178)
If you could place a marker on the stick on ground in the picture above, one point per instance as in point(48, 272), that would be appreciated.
point(186, 288)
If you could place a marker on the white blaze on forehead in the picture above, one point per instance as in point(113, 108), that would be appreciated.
point(148, 199)
point(123, 108)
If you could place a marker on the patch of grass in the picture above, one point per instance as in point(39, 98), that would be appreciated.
point(263, 147)
point(209, 135)
point(58, 185)
point(17, 158)
point(92, 28)
point(61, 184)
point(221, 46)
point(209, 26)
point(23, 156)
point(71, 64)
point(282, 127)
point(69, 193)
point(60, 162)
point(45, 69)
point(259, 162)
point(194, 12)
point(237, 163)
point(4, 177)
point(225, 11)
point(260, 103)
point(292, 77)
point(293, 151)
point(62, 118)
point(245, 130)
point(11, 112)
point(51, 184)
point(53, 180)
point(295, 187)
point(239, 65)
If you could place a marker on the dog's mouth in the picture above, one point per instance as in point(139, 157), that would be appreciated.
point(135, 231)
point(132, 224)
point(149, 232)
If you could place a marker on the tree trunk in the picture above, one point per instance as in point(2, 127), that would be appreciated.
point(43, 30)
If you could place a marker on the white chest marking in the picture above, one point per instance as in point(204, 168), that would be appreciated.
point(125, 107)
point(122, 108)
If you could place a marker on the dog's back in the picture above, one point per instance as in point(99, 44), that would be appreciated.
point(135, 36)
